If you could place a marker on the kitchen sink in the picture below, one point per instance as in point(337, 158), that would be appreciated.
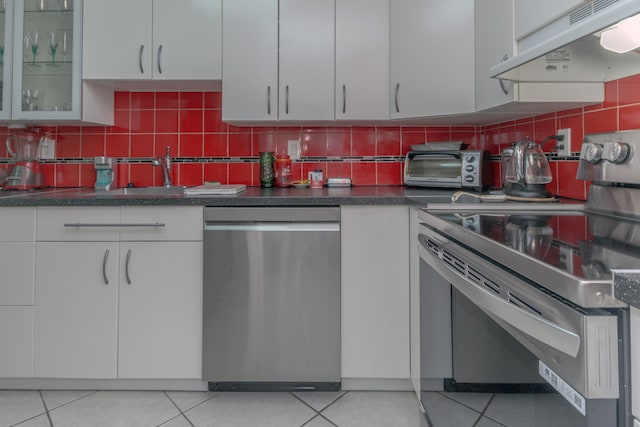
point(174, 190)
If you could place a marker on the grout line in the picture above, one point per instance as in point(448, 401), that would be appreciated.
point(180, 410)
point(46, 410)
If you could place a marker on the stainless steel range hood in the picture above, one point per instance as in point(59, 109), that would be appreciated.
point(568, 49)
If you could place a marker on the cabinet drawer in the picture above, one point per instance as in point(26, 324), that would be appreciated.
point(17, 224)
point(77, 224)
point(17, 263)
point(174, 223)
point(16, 336)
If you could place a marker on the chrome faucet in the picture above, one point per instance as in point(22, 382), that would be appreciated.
point(166, 164)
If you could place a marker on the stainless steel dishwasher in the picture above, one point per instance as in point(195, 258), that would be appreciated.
point(271, 298)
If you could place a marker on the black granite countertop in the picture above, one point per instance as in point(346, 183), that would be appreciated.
point(252, 196)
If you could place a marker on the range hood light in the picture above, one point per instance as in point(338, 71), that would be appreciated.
point(623, 37)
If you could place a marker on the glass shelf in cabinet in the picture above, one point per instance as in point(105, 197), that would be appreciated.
point(49, 12)
point(46, 68)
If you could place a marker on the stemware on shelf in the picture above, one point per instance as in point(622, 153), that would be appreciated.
point(53, 42)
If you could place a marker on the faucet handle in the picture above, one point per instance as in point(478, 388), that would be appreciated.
point(168, 151)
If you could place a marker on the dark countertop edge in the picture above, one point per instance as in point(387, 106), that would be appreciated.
point(253, 196)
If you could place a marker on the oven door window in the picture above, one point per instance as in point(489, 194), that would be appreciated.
point(439, 167)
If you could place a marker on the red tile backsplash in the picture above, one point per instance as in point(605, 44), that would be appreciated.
point(191, 124)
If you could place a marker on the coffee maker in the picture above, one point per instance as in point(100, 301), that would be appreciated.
point(26, 174)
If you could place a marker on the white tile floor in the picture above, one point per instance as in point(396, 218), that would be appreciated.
point(33, 408)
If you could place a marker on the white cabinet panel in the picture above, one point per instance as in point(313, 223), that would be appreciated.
point(16, 336)
point(17, 224)
point(250, 60)
point(306, 49)
point(175, 223)
point(77, 224)
point(160, 309)
point(375, 292)
point(414, 298)
point(117, 39)
point(154, 39)
point(76, 312)
point(635, 361)
point(432, 58)
point(362, 60)
point(187, 42)
point(17, 261)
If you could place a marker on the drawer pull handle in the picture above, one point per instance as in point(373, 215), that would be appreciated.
point(98, 225)
point(126, 266)
point(104, 267)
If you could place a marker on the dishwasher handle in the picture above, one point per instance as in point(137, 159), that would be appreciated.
point(273, 226)
point(538, 328)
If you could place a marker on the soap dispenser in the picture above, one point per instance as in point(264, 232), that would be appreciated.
point(106, 173)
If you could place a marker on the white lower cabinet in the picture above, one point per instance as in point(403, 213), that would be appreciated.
point(375, 292)
point(76, 310)
point(16, 338)
point(118, 308)
point(160, 310)
point(17, 259)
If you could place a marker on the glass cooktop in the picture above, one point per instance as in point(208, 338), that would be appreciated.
point(584, 245)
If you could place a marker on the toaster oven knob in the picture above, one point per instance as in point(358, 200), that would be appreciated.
point(616, 152)
point(469, 178)
point(593, 153)
point(469, 168)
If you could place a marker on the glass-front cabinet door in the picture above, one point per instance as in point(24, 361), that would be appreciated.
point(6, 49)
point(46, 60)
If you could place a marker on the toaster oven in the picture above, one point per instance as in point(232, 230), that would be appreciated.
point(468, 169)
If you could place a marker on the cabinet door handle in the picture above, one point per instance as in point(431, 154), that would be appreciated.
point(286, 99)
point(500, 81)
point(109, 225)
point(396, 97)
point(344, 99)
point(126, 266)
point(104, 267)
point(269, 100)
point(159, 53)
point(140, 59)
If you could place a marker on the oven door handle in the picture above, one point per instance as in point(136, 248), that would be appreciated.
point(536, 327)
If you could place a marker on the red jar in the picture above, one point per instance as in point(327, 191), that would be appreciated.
point(282, 170)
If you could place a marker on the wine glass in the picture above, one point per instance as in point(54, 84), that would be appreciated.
point(32, 41)
point(54, 41)
point(42, 5)
point(65, 40)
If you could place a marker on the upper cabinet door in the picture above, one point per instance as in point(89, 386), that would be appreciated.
point(494, 43)
point(432, 58)
point(187, 42)
point(117, 39)
point(6, 55)
point(46, 60)
point(362, 60)
point(250, 60)
point(307, 39)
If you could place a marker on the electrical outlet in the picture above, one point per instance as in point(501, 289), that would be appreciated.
point(293, 149)
point(565, 151)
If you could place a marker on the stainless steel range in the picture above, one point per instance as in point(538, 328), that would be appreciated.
point(533, 310)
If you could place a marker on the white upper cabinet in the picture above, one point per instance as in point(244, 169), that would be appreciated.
point(250, 60)
point(152, 39)
point(306, 74)
point(531, 15)
point(325, 60)
point(432, 58)
point(362, 60)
